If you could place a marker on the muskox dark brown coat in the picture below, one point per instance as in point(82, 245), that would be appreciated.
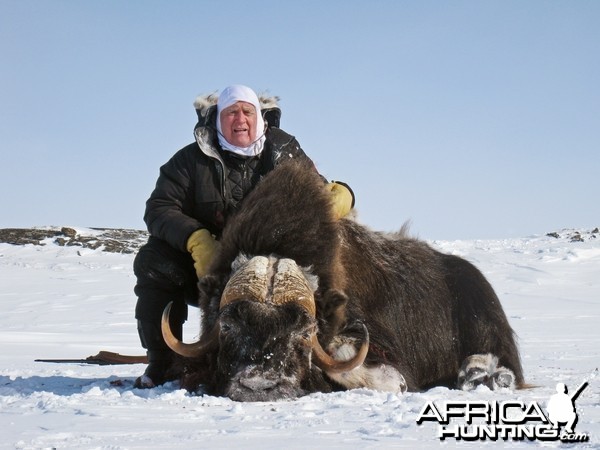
point(433, 318)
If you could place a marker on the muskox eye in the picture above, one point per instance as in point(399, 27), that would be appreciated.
point(305, 336)
point(225, 328)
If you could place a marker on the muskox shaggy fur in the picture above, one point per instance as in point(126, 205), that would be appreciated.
point(289, 214)
point(433, 318)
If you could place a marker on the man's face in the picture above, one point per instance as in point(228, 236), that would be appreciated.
point(238, 124)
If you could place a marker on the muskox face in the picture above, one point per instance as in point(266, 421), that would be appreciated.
point(264, 351)
point(265, 335)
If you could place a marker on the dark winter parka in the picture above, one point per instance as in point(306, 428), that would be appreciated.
point(201, 184)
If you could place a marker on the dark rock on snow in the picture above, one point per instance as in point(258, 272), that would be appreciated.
point(114, 240)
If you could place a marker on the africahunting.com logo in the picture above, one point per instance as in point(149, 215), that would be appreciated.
point(507, 420)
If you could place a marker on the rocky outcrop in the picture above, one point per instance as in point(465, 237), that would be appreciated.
point(114, 240)
point(575, 235)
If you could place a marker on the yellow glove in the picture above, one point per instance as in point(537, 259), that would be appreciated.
point(203, 247)
point(343, 198)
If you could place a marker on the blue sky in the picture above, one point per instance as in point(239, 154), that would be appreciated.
point(472, 119)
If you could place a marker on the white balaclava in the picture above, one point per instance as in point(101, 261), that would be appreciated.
point(229, 96)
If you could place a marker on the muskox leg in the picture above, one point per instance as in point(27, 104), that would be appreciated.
point(382, 377)
point(484, 369)
point(331, 298)
point(331, 314)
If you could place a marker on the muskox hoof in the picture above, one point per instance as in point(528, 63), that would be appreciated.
point(504, 378)
point(484, 370)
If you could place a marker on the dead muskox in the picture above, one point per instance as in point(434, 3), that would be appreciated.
point(298, 302)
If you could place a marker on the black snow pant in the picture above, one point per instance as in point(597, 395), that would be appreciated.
point(164, 274)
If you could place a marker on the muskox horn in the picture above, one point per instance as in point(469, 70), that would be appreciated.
point(277, 281)
point(329, 365)
point(249, 282)
point(290, 286)
point(194, 350)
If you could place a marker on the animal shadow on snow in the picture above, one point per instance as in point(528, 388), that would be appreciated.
point(67, 386)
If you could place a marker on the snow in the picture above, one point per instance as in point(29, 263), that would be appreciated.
point(70, 302)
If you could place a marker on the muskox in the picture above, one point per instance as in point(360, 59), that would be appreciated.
point(299, 302)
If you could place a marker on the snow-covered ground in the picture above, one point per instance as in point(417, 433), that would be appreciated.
point(70, 302)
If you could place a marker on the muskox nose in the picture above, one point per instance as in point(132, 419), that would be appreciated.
point(257, 383)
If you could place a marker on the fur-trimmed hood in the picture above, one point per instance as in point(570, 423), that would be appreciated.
point(206, 108)
point(205, 130)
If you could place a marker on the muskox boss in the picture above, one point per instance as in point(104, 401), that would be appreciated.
point(299, 302)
